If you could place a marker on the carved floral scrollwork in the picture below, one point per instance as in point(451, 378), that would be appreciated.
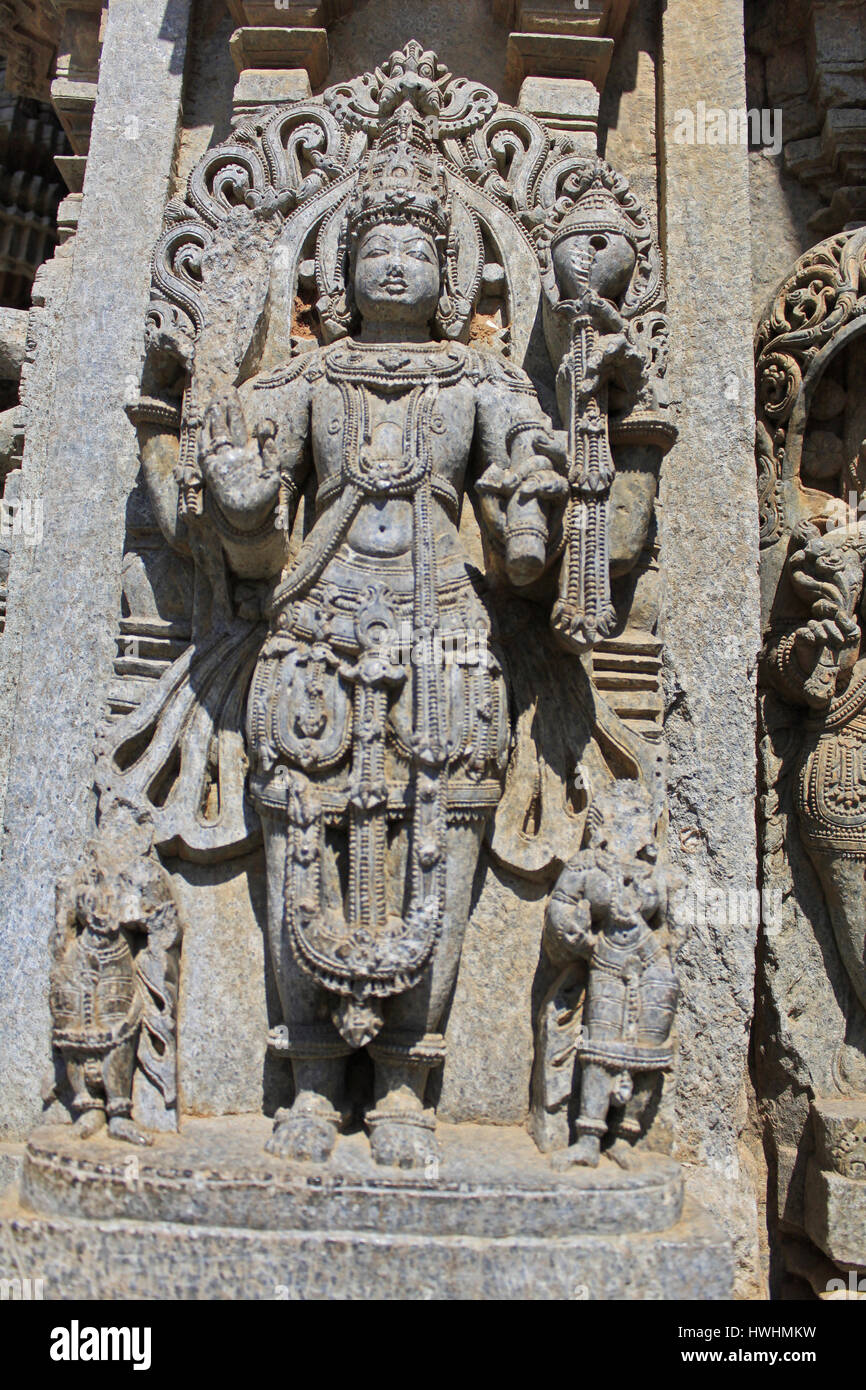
point(822, 295)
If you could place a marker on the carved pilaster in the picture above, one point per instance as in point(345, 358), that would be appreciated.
point(28, 36)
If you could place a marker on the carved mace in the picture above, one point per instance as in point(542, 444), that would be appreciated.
point(583, 612)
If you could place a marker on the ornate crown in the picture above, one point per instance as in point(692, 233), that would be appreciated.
point(597, 210)
point(402, 180)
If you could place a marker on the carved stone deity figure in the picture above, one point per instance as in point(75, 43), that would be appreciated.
point(608, 912)
point(113, 997)
point(349, 427)
point(818, 663)
point(811, 1029)
point(373, 774)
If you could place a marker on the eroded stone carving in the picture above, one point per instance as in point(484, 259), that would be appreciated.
point(606, 1023)
point(602, 277)
point(114, 977)
point(343, 359)
point(810, 468)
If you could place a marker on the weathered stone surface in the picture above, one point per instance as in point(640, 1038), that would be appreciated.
point(98, 1260)
point(64, 593)
point(361, 40)
point(491, 1182)
point(205, 1215)
point(711, 616)
point(222, 1063)
point(678, 584)
point(836, 1215)
point(489, 1034)
point(628, 117)
point(811, 1024)
point(11, 1164)
point(13, 343)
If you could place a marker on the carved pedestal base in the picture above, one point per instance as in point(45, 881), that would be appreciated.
point(836, 1183)
point(206, 1214)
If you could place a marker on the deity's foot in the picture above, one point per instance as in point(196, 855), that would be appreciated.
point(307, 1132)
point(624, 1155)
point(403, 1138)
point(122, 1127)
point(89, 1122)
point(584, 1153)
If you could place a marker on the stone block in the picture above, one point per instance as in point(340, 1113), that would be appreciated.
point(840, 1136)
point(206, 1215)
point(282, 50)
point(269, 87)
point(74, 102)
point(836, 1215)
point(557, 55)
point(562, 103)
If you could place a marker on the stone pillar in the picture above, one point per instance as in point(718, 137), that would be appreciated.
point(559, 56)
point(711, 617)
point(64, 593)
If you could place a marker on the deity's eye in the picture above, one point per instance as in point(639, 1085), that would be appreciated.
point(598, 243)
point(421, 251)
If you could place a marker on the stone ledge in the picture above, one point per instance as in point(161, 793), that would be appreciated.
point(282, 50)
point(836, 1215)
point(491, 1183)
point(557, 55)
point(129, 1260)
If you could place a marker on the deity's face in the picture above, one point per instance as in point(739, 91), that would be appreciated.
point(397, 275)
point(609, 256)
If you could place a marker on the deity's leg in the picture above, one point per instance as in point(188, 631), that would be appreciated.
point(596, 1083)
point(401, 1131)
point(90, 1107)
point(308, 1129)
point(117, 1072)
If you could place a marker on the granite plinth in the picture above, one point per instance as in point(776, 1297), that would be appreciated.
point(205, 1214)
